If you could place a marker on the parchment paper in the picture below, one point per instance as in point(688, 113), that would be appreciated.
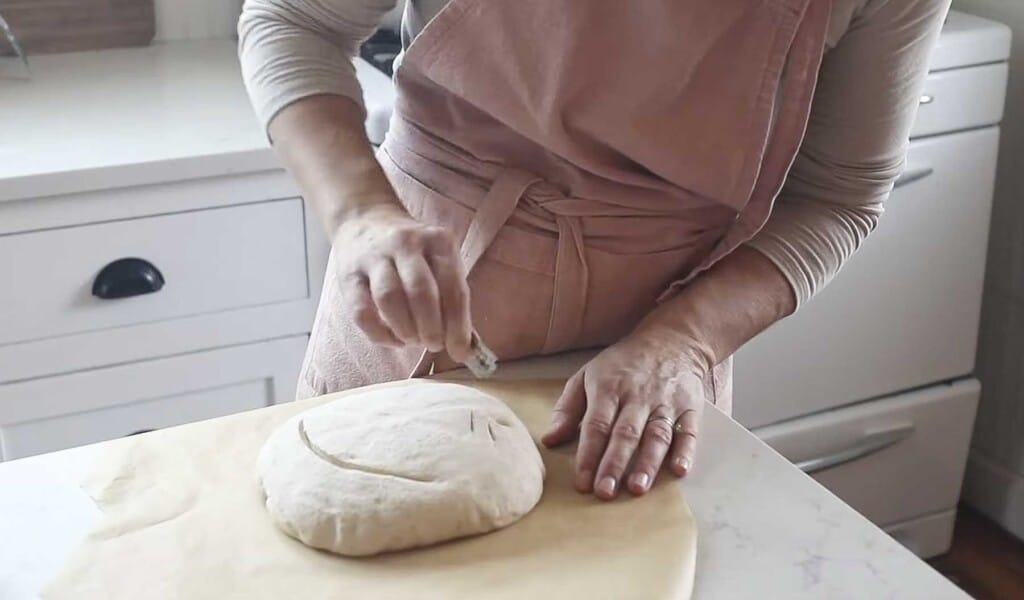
point(184, 519)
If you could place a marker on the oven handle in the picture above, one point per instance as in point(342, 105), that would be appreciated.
point(873, 442)
point(913, 175)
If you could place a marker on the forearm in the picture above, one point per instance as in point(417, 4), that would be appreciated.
point(296, 58)
point(722, 309)
point(323, 144)
point(293, 49)
point(401, 281)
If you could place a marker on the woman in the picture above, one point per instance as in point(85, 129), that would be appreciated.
point(662, 178)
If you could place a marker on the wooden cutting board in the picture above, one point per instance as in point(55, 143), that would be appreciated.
point(47, 26)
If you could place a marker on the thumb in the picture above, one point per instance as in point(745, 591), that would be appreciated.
point(566, 415)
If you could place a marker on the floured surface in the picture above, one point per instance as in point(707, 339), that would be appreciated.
point(185, 519)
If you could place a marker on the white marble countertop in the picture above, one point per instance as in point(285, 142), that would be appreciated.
point(766, 530)
point(116, 118)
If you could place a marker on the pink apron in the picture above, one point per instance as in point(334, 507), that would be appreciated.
point(592, 157)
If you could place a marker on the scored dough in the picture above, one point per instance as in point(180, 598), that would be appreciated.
point(396, 468)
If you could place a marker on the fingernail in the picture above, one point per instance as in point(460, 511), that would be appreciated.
point(641, 481)
point(584, 481)
point(606, 487)
point(683, 464)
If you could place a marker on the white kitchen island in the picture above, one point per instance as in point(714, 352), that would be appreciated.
point(765, 530)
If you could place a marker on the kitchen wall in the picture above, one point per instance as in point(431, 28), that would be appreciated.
point(209, 19)
point(196, 19)
point(995, 474)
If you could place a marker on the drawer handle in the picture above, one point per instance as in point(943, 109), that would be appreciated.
point(873, 442)
point(127, 277)
point(913, 175)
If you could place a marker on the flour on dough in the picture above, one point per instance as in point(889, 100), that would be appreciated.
point(400, 467)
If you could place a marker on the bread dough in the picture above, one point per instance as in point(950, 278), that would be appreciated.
point(396, 468)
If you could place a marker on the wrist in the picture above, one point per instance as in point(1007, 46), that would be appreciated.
point(368, 213)
point(671, 341)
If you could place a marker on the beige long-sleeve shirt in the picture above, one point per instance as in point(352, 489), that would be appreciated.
point(867, 95)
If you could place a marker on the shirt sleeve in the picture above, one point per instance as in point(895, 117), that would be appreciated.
point(867, 96)
point(291, 49)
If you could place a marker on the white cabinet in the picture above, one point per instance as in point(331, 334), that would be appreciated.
point(80, 408)
point(926, 536)
point(893, 459)
point(205, 261)
point(962, 99)
point(899, 461)
point(903, 312)
point(157, 265)
point(240, 277)
point(869, 385)
point(240, 265)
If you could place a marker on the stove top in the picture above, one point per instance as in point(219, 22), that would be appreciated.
point(381, 50)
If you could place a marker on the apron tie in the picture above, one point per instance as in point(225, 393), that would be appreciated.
point(570, 286)
point(571, 272)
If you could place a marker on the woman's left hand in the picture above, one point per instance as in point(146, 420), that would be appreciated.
point(641, 397)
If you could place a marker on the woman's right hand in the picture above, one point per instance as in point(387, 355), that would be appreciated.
point(405, 281)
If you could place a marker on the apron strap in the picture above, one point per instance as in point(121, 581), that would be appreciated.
point(493, 212)
point(570, 288)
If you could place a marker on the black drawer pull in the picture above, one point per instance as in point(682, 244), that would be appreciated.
point(127, 277)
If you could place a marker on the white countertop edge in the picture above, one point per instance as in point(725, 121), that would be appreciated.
point(58, 183)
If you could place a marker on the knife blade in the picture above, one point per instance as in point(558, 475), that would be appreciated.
point(482, 361)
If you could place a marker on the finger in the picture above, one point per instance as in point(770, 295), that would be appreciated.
point(684, 446)
point(366, 316)
point(654, 446)
point(424, 300)
point(454, 291)
point(625, 438)
point(389, 295)
point(568, 411)
point(595, 429)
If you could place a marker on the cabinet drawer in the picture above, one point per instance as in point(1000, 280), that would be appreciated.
point(891, 459)
point(928, 536)
point(209, 260)
point(59, 412)
point(962, 99)
point(903, 312)
point(48, 435)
